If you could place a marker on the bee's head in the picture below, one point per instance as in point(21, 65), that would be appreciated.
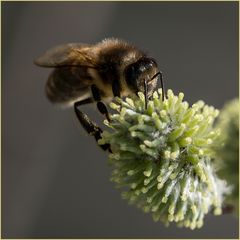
point(142, 76)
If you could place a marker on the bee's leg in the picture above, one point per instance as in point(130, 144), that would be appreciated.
point(100, 105)
point(91, 127)
point(116, 89)
point(82, 102)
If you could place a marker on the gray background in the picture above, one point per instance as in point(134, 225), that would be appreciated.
point(55, 180)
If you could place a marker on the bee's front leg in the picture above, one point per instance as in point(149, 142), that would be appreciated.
point(100, 105)
point(92, 128)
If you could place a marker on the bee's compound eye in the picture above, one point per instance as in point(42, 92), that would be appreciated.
point(137, 72)
point(131, 74)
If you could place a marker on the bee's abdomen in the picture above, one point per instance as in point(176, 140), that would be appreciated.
point(66, 84)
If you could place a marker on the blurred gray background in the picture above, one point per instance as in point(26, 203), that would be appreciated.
point(55, 180)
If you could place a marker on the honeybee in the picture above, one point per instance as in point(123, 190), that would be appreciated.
point(85, 73)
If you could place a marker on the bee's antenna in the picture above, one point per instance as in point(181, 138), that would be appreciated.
point(146, 93)
point(163, 90)
point(162, 86)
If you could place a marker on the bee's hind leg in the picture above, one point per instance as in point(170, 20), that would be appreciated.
point(92, 128)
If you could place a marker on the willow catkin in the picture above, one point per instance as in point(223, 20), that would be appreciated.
point(162, 157)
point(228, 153)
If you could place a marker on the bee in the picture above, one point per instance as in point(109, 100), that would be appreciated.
point(84, 73)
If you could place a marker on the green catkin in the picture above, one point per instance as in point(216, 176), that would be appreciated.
point(228, 154)
point(162, 157)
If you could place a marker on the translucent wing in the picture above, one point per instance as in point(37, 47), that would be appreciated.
point(66, 85)
point(70, 54)
point(70, 80)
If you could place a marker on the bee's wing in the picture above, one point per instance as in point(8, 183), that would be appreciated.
point(67, 85)
point(70, 80)
point(77, 54)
